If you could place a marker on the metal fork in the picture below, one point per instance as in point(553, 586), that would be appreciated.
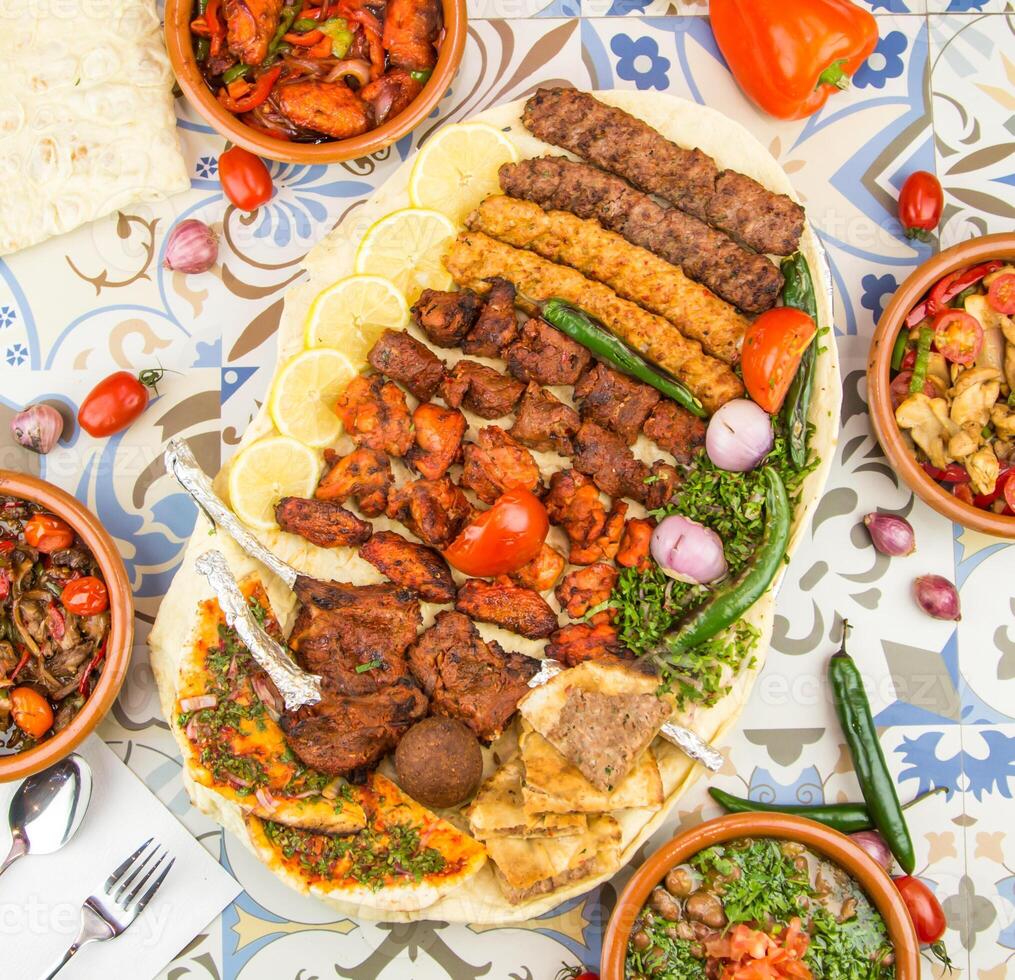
point(107, 915)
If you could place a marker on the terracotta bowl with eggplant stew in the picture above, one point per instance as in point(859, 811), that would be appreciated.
point(315, 81)
point(752, 895)
point(66, 623)
point(941, 383)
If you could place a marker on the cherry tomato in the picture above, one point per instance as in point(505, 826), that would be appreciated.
point(31, 711)
point(920, 203)
point(85, 596)
point(245, 179)
point(575, 973)
point(953, 473)
point(117, 401)
point(773, 346)
point(958, 336)
point(924, 908)
point(47, 533)
point(1009, 491)
point(502, 539)
point(1001, 294)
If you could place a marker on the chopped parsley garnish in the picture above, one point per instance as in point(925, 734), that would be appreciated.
point(369, 665)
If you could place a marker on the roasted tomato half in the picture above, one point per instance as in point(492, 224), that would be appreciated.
point(47, 533)
point(958, 336)
point(1001, 294)
point(502, 539)
point(86, 596)
point(773, 346)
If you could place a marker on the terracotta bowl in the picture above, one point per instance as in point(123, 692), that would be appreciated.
point(820, 839)
point(181, 55)
point(121, 635)
point(878, 379)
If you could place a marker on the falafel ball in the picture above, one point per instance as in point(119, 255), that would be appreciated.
point(439, 762)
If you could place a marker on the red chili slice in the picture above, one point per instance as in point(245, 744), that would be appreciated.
point(963, 493)
point(958, 336)
point(1001, 294)
point(953, 473)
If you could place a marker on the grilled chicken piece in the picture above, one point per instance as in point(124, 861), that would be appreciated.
point(605, 457)
point(250, 26)
point(542, 572)
point(477, 682)
point(434, 510)
point(584, 588)
point(496, 326)
point(615, 401)
point(634, 544)
point(543, 422)
point(412, 565)
point(545, 355)
point(375, 415)
point(402, 358)
point(439, 433)
point(573, 503)
point(505, 604)
point(446, 317)
point(390, 94)
point(325, 523)
point(673, 428)
point(326, 107)
point(579, 642)
point(364, 476)
point(481, 389)
point(605, 545)
point(410, 33)
point(495, 463)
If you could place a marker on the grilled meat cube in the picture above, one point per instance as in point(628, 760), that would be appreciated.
point(412, 565)
point(573, 502)
point(438, 433)
point(634, 544)
point(505, 604)
point(446, 317)
point(250, 26)
point(325, 523)
point(402, 358)
point(496, 326)
point(542, 572)
point(605, 457)
point(434, 510)
point(466, 678)
point(364, 476)
point(481, 389)
point(331, 108)
point(410, 33)
point(344, 735)
point(581, 590)
point(390, 94)
point(660, 485)
point(545, 355)
point(495, 463)
point(543, 422)
point(605, 544)
point(673, 428)
point(615, 401)
point(579, 642)
point(375, 415)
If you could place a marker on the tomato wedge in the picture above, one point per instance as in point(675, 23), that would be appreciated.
point(773, 346)
point(958, 336)
point(1001, 294)
point(502, 539)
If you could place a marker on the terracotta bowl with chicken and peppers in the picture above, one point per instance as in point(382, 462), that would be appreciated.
point(66, 624)
point(760, 894)
point(941, 383)
point(315, 81)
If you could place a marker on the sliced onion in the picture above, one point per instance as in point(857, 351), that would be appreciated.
point(265, 798)
point(199, 702)
point(237, 780)
point(331, 791)
point(739, 436)
point(355, 67)
point(267, 695)
point(193, 729)
point(688, 551)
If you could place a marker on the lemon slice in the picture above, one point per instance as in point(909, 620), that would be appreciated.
point(406, 246)
point(267, 470)
point(351, 314)
point(302, 400)
point(457, 167)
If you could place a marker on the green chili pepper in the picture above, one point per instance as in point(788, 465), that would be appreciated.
point(337, 28)
point(960, 301)
point(798, 292)
point(237, 71)
point(304, 25)
point(202, 45)
point(847, 818)
point(922, 360)
point(289, 14)
point(579, 326)
point(899, 350)
point(876, 782)
point(730, 601)
point(421, 76)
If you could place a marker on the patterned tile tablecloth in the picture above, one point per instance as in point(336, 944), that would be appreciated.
point(938, 95)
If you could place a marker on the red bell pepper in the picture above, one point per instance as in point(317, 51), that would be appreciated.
point(947, 288)
point(307, 40)
point(984, 500)
point(216, 29)
point(954, 473)
point(788, 58)
point(260, 91)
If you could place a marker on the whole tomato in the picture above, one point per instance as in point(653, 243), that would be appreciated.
point(927, 915)
point(245, 179)
point(920, 203)
point(47, 533)
point(502, 539)
point(773, 346)
point(117, 401)
point(86, 596)
point(31, 711)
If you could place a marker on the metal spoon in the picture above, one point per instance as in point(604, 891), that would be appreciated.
point(47, 808)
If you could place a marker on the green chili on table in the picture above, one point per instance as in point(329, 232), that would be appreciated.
point(798, 292)
point(579, 326)
point(876, 782)
point(922, 362)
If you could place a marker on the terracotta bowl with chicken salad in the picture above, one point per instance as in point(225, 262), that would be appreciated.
point(941, 383)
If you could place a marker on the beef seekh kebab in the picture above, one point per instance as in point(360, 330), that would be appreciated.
point(690, 179)
point(741, 277)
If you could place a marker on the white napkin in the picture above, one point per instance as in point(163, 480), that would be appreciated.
point(41, 896)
